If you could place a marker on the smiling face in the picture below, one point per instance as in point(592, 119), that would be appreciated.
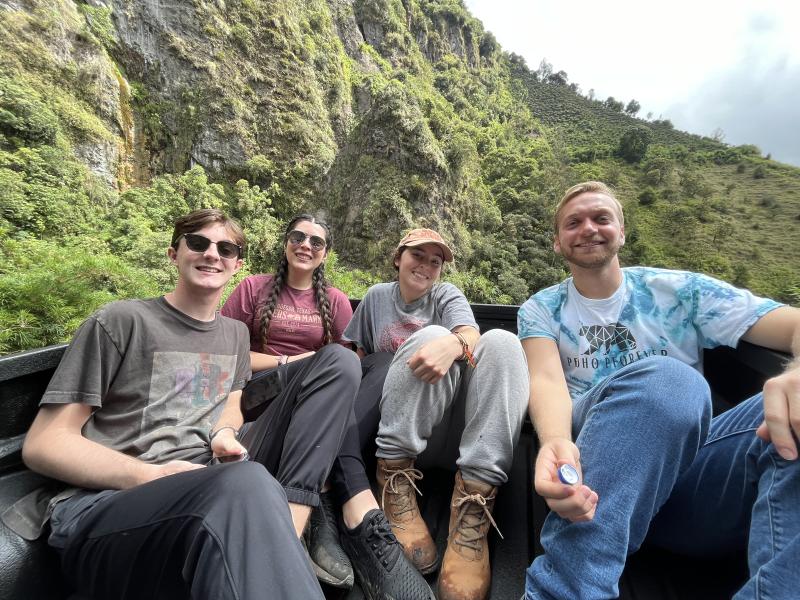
point(590, 233)
point(418, 268)
point(302, 258)
point(206, 270)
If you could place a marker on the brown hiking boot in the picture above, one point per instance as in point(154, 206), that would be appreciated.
point(399, 502)
point(466, 573)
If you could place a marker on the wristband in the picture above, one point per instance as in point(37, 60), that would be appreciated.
point(465, 352)
point(213, 434)
point(283, 360)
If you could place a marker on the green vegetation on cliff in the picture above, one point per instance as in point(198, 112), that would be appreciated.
point(116, 116)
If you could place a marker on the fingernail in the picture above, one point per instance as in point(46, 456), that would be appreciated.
point(787, 453)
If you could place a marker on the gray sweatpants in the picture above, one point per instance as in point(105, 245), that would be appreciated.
point(470, 416)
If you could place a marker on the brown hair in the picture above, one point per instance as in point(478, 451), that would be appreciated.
point(318, 281)
point(582, 188)
point(197, 219)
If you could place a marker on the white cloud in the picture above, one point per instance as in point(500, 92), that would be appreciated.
point(702, 64)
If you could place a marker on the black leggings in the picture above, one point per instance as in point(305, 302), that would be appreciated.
point(299, 435)
point(349, 476)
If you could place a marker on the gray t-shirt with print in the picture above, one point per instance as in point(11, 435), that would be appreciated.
point(157, 378)
point(383, 320)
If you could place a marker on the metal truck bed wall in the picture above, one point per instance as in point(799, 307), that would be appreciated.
point(30, 571)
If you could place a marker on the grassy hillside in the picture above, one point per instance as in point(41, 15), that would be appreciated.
point(380, 115)
point(691, 202)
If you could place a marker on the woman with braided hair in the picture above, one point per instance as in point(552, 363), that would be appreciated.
point(293, 313)
point(294, 316)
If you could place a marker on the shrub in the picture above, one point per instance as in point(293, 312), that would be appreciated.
point(47, 289)
point(634, 142)
point(647, 197)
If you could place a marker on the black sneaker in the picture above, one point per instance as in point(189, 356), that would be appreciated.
point(329, 561)
point(383, 570)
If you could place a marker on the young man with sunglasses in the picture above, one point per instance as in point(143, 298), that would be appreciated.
point(615, 361)
point(145, 396)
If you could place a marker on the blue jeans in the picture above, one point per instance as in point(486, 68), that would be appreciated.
point(658, 461)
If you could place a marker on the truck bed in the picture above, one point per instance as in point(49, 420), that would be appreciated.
point(30, 571)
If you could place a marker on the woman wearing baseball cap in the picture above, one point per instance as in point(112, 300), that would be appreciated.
point(451, 398)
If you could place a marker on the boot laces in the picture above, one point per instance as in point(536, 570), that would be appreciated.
point(397, 485)
point(472, 516)
point(381, 539)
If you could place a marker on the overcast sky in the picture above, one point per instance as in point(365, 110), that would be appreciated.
point(703, 64)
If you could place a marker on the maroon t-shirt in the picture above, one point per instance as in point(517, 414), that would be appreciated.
point(296, 325)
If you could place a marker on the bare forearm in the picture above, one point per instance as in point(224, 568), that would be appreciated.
point(231, 415)
point(261, 362)
point(470, 334)
point(76, 460)
point(550, 409)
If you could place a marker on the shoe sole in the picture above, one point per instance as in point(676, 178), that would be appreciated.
point(427, 569)
point(330, 580)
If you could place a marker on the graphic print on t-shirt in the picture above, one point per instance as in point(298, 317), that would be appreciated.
point(292, 319)
point(183, 383)
point(394, 334)
point(614, 335)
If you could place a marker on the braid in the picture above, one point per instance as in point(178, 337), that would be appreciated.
point(269, 306)
point(323, 303)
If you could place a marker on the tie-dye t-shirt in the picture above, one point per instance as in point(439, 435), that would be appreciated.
point(653, 312)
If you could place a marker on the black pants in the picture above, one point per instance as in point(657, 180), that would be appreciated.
point(222, 532)
point(299, 435)
point(348, 476)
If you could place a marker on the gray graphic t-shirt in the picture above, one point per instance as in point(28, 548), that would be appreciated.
point(157, 377)
point(383, 320)
point(653, 312)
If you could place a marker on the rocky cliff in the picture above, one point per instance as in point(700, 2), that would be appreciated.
point(117, 115)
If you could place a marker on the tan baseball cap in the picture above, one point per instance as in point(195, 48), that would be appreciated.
point(418, 237)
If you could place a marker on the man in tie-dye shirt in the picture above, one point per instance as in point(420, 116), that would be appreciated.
point(615, 361)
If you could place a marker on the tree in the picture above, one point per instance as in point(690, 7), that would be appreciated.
point(634, 142)
point(559, 78)
point(613, 104)
point(632, 108)
point(718, 135)
point(545, 70)
point(590, 94)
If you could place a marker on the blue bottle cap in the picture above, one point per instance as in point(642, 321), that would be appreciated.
point(568, 474)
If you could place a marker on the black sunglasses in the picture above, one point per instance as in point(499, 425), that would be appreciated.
point(297, 237)
point(200, 243)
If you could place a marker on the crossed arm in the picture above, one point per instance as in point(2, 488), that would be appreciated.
point(434, 359)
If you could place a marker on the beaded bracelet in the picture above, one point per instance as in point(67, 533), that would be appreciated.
point(465, 351)
point(231, 427)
